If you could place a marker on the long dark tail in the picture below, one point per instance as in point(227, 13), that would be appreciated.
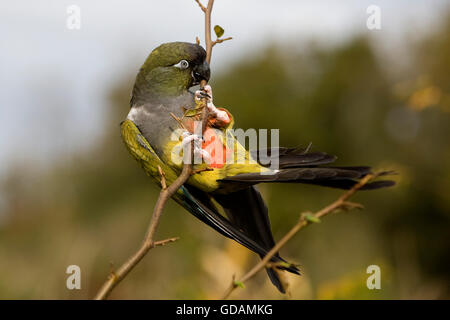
point(300, 166)
point(248, 222)
point(247, 211)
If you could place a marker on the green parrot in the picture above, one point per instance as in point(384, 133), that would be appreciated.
point(224, 196)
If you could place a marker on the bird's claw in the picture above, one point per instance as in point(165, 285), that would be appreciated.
point(200, 94)
point(205, 92)
point(202, 154)
point(188, 137)
point(199, 153)
point(208, 90)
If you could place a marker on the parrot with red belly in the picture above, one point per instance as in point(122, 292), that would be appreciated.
point(224, 196)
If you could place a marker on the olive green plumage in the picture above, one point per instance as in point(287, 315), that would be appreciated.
point(158, 79)
point(143, 152)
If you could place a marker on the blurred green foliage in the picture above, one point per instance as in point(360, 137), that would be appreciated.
point(94, 209)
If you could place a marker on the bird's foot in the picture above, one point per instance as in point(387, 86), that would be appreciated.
point(201, 94)
point(206, 93)
point(199, 153)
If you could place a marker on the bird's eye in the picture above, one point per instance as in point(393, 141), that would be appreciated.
point(183, 64)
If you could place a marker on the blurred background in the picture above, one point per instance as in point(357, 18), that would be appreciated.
point(71, 194)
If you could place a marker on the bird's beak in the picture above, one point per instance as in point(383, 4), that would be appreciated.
point(201, 72)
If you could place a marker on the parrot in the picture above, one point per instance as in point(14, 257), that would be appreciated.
point(163, 117)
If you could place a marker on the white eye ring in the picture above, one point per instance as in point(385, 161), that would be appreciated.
point(183, 64)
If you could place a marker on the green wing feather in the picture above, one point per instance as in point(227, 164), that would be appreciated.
point(143, 152)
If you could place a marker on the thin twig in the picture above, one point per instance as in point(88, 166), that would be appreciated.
point(202, 170)
point(200, 5)
point(304, 220)
point(161, 243)
point(208, 41)
point(221, 40)
point(178, 120)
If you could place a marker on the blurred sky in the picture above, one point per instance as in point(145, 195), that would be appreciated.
point(54, 82)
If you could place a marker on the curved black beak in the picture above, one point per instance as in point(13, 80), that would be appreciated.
point(201, 72)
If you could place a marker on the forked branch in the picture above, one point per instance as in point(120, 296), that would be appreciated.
point(117, 276)
point(305, 220)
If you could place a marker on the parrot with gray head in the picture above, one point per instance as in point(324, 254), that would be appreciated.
point(224, 196)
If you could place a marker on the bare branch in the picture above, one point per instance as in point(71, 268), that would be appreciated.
point(177, 120)
point(200, 5)
point(202, 170)
point(221, 40)
point(161, 243)
point(305, 219)
point(116, 277)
